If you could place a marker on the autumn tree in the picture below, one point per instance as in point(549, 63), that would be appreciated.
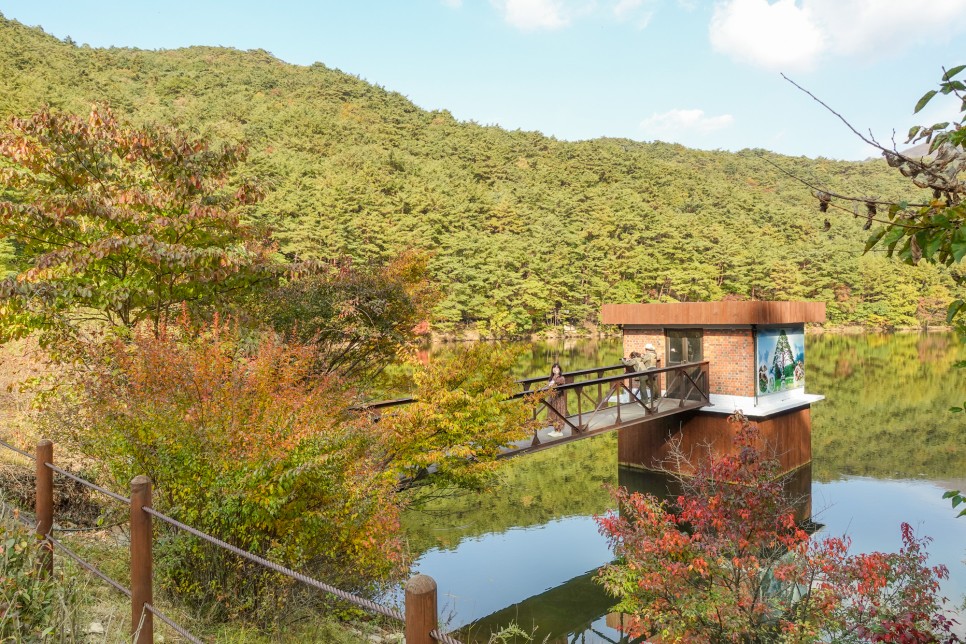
point(729, 563)
point(244, 438)
point(461, 418)
point(360, 317)
point(117, 224)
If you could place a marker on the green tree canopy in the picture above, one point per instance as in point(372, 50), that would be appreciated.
point(119, 224)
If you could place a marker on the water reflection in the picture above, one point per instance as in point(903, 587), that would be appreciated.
point(884, 449)
point(576, 611)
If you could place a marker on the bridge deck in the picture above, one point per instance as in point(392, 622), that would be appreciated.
point(611, 401)
point(632, 414)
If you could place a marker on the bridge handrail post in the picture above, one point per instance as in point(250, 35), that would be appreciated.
point(421, 610)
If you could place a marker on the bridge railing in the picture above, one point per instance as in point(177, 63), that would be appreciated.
point(572, 376)
point(658, 391)
point(588, 392)
point(526, 384)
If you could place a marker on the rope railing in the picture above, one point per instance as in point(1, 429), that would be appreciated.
point(19, 451)
point(88, 566)
point(177, 628)
point(114, 495)
point(143, 630)
point(44, 528)
point(271, 565)
point(443, 637)
point(297, 576)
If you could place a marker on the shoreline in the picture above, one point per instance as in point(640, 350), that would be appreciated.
point(468, 335)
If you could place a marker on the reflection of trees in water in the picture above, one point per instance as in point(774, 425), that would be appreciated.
point(886, 407)
point(885, 415)
point(534, 490)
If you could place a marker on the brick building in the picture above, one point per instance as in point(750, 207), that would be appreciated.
point(756, 361)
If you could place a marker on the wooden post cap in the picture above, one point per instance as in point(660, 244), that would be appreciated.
point(420, 585)
point(140, 481)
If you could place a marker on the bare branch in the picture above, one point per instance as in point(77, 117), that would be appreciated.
point(827, 193)
point(871, 141)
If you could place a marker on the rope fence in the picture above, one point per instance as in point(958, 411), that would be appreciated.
point(89, 567)
point(443, 637)
point(288, 572)
point(421, 611)
point(114, 495)
point(19, 451)
point(174, 626)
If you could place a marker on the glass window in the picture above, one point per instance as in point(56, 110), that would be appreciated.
point(684, 345)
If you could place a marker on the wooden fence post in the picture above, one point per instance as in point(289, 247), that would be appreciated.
point(44, 504)
point(142, 620)
point(421, 615)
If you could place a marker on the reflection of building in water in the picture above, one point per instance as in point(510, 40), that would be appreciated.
point(577, 611)
point(798, 487)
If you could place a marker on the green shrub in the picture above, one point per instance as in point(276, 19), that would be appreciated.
point(248, 442)
point(32, 607)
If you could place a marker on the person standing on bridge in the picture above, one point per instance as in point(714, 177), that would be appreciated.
point(557, 400)
point(635, 362)
point(649, 361)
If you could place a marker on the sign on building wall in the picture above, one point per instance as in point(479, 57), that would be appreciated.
point(780, 354)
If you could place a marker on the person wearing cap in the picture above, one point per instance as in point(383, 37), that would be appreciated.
point(650, 356)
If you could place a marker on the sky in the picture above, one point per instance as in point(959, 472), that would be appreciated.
point(703, 73)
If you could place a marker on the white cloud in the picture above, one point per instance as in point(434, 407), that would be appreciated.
point(624, 8)
point(778, 35)
point(638, 12)
point(531, 15)
point(675, 124)
point(534, 15)
point(867, 27)
point(799, 34)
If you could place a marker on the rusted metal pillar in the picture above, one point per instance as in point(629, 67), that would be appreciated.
point(44, 504)
point(142, 620)
point(421, 615)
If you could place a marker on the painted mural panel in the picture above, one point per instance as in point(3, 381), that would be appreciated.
point(780, 354)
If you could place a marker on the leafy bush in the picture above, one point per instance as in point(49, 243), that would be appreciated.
point(33, 608)
point(248, 445)
point(460, 420)
point(249, 442)
point(730, 564)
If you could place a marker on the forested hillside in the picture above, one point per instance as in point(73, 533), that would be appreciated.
point(517, 222)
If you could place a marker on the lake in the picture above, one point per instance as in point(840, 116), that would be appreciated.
point(885, 448)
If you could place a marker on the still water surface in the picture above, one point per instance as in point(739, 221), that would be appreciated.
point(885, 448)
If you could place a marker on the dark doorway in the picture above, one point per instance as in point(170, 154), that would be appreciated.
point(683, 345)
